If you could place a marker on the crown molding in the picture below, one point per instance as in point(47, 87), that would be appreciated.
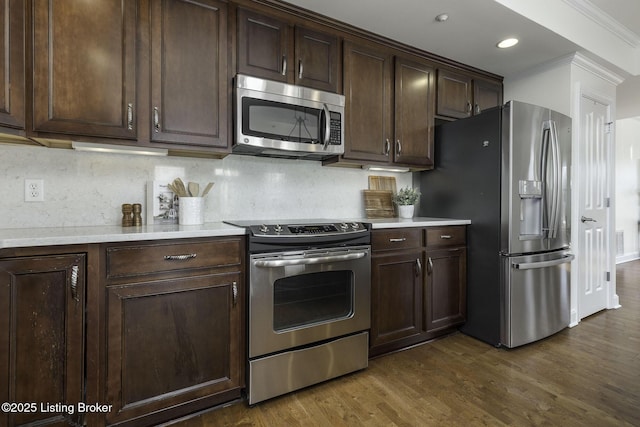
point(582, 61)
point(605, 20)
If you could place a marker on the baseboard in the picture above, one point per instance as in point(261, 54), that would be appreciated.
point(627, 257)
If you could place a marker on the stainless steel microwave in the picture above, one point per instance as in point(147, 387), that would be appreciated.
point(281, 120)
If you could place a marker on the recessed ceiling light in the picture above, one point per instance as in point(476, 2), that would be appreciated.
point(507, 43)
point(442, 17)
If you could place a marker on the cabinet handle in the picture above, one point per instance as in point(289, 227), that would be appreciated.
point(387, 147)
point(74, 283)
point(445, 236)
point(430, 266)
point(234, 292)
point(398, 147)
point(156, 119)
point(398, 239)
point(300, 69)
point(130, 116)
point(284, 65)
point(477, 109)
point(419, 265)
point(469, 107)
point(179, 257)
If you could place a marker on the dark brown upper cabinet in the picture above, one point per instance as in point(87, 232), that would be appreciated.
point(84, 66)
point(12, 62)
point(274, 49)
point(189, 87)
point(390, 103)
point(462, 95)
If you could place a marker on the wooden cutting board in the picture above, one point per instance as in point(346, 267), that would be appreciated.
point(387, 183)
point(378, 204)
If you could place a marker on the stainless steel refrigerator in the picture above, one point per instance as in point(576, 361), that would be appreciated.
point(508, 170)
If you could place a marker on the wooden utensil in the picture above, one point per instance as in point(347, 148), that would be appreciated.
point(194, 189)
point(207, 188)
point(182, 191)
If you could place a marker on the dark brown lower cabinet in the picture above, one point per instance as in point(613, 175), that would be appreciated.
point(42, 306)
point(174, 320)
point(396, 297)
point(446, 280)
point(170, 343)
point(418, 285)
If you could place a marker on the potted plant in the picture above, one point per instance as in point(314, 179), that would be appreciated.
point(406, 198)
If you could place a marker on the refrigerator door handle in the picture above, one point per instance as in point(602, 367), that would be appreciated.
point(543, 264)
point(550, 172)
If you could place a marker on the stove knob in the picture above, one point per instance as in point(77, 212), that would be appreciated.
point(344, 226)
point(264, 228)
point(355, 225)
point(277, 228)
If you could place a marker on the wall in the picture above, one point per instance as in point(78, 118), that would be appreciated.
point(83, 189)
point(628, 166)
point(628, 185)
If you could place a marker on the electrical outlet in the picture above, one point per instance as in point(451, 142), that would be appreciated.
point(34, 190)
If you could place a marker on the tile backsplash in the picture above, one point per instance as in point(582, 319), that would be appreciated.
point(85, 189)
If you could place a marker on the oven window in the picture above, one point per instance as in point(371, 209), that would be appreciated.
point(312, 298)
point(276, 120)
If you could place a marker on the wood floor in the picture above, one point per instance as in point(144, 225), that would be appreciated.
point(585, 376)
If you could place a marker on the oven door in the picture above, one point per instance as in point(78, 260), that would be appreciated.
point(302, 297)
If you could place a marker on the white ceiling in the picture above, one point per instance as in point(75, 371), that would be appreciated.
point(473, 28)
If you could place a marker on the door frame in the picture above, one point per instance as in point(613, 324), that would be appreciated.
point(580, 92)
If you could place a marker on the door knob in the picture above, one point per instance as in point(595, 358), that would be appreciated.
point(587, 219)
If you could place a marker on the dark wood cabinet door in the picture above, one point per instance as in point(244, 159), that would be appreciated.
point(264, 46)
point(414, 112)
point(189, 85)
point(446, 284)
point(12, 74)
point(84, 68)
point(396, 297)
point(486, 94)
point(41, 337)
point(454, 94)
point(317, 59)
point(173, 342)
point(367, 88)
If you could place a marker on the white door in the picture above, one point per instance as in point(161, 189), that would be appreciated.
point(594, 188)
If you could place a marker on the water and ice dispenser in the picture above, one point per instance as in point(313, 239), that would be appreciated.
point(530, 209)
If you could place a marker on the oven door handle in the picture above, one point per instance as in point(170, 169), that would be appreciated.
point(312, 260)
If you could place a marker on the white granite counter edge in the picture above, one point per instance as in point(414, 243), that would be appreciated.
point(47, 236)
point(380, 223)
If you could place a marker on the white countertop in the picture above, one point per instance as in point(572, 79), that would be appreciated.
point(414, 222)
point(48, 236)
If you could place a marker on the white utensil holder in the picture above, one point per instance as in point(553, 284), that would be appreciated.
point(191, 211)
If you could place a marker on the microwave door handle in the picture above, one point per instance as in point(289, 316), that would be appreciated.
point(327, 125)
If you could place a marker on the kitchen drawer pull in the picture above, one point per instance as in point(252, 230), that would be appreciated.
point(74, 283)
point(398, 239)
point(179, 257)
point(445, 236)
point(234, 292)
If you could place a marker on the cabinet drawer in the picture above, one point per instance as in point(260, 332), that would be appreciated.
point(398, 238)
point(446, 236)
point(134, 260)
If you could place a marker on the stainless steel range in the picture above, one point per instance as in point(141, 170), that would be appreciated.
point(309, 303)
